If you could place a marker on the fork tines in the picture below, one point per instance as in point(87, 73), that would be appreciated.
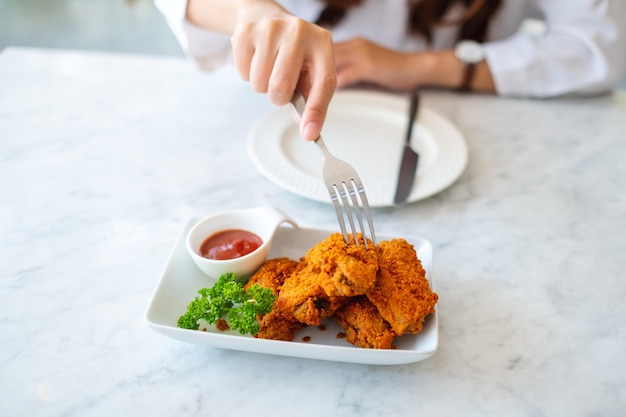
point(341, 181)
point(339, 197)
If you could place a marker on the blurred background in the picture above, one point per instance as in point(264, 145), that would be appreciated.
point(133, 26)
point(130, 26)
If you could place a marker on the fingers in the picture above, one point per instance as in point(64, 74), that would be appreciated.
point(278, 54)
point(266, 54)
point(266, 60)
point(348, 75)
point(285, 74)
point(350, 62)
point(323, 84)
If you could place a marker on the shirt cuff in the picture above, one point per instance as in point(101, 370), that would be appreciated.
point(508, 62)
point(209, 50)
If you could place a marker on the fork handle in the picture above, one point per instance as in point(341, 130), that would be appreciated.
point(298, 103)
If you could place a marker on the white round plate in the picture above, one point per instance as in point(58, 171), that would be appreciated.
point(365, 129)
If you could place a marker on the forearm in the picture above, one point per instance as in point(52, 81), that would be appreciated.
point(223, 15)
point(360, 60)
point(219, 15)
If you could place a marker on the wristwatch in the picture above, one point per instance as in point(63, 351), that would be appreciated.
point(471, 54)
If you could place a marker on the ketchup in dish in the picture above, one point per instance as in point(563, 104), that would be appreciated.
point(229, 244)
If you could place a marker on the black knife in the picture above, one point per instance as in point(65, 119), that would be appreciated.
point(410, 158)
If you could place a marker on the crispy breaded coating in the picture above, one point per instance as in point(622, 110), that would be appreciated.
point(342, 270)
point(364, 325)
point(401, 293)
point(330, 273)
point(276, 326)
point(272, 274)
point(303, 299)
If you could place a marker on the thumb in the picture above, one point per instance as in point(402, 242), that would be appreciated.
point(314, 114)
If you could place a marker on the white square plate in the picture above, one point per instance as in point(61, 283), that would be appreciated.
point(181, 281)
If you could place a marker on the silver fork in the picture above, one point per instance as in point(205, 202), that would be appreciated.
point(342, 181)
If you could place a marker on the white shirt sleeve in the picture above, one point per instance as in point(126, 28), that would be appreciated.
point(582, 51)
point(207, 49)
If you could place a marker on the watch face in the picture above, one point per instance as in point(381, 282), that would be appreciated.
point(469, 52)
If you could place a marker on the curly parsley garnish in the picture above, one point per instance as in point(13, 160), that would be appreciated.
point(227, 299)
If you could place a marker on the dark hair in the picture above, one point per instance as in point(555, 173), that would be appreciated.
point(426, 15)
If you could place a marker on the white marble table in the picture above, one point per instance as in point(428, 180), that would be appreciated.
point(103, 158)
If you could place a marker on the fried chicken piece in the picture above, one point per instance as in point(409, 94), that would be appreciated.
point(303, 299)
point(331, 272)
point(274, 325)
point(272, 274)
point(364, 325)
point(401, 293)
point(343, 270)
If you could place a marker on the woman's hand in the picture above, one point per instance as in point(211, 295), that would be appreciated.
point(360, 60)
point(277, 52)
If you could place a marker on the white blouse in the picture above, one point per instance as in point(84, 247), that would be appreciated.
point(570, 46)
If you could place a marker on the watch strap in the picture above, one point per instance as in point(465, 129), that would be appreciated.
point(468, 77)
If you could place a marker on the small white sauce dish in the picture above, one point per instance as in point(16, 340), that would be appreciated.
point(262, 221)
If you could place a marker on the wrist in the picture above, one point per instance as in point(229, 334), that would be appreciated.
point(440, 69)
point(224, 15)
point(443, 69)
point(258, 9)
point(471, 54)
point(436, 69)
